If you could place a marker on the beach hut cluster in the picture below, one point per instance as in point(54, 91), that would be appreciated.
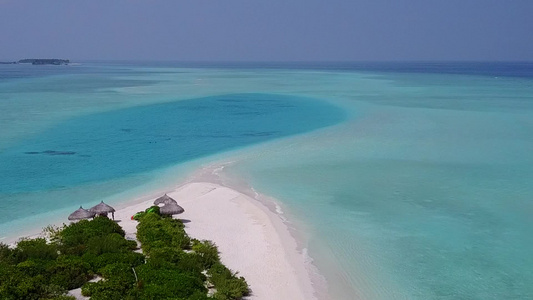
point(100, 209)
point(169, 207)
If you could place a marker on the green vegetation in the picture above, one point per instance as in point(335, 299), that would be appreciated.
point(228, 285)
point(154, 231)
point(151, 209)
point(170, 252)
point(172, 267)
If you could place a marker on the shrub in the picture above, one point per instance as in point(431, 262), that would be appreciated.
point(99, 261)
point(207, 251)
point(164, 257)
point(88, 288)
point(113, 242)
point(228, 285)
point(36, 249)
point(191, 263)
point(53, 233)
point(7, 255)
point(104, 290)
point(156, 232)
point(168, 283)
point(69, 273)
point(27, 287)
point(52, 291)
point(118, 271)
point(172, 258)
point(30, 268)
point(6, 271)
point(152, 209)
point(73, 238)
point(9, 277)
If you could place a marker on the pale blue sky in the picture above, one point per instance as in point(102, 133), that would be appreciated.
point(269, 30)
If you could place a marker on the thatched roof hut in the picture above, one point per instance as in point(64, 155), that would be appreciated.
point(81, 214)
point(103, 209)
point(165, 199)
point(171, 208)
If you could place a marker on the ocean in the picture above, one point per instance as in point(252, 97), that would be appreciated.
point(410, 180)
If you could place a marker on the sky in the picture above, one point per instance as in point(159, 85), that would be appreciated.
point(268, 30)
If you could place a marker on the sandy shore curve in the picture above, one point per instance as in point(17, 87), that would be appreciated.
point(251, 239)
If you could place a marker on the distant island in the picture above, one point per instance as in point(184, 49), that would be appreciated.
point(38, 61)
point(46, 61)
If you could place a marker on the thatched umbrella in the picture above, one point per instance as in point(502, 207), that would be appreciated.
point(81, 214)
point(165, 199)
point(171, 209)
point(103, 209)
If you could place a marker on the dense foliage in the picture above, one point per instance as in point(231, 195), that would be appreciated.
point(172, 267)
point(170, 251)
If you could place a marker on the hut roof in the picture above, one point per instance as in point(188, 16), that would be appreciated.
point(81, 214)
point(171, 209)
point(165, 199)
point(102, 208)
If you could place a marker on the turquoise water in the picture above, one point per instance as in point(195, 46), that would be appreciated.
point(105, 146)
point(413, 180)
point(50, 170)
point(426, 194)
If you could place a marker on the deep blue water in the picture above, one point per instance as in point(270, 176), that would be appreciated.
point(115, 144)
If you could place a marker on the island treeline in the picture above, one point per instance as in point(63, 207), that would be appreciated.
point(96, 256)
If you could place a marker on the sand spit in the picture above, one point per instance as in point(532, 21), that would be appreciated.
point(251, 239)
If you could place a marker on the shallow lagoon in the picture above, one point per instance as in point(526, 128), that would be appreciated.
point(422, 192)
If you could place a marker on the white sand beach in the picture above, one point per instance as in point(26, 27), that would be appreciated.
point(251, 239)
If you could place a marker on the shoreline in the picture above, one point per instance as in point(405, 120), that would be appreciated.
point(253, 236)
